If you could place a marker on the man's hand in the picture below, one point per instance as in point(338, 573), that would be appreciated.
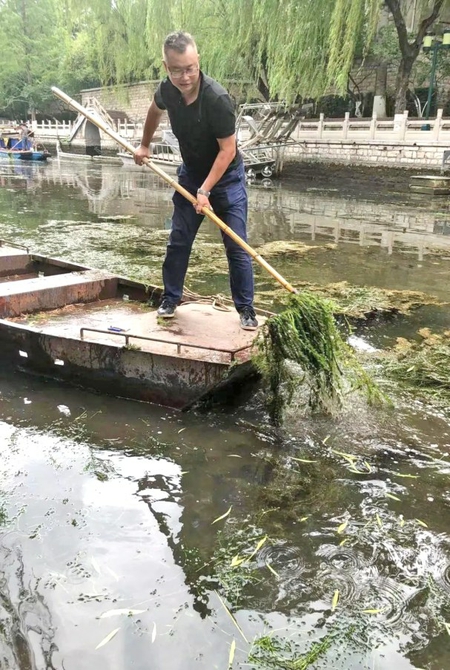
point(140, 153)
point(202, 201)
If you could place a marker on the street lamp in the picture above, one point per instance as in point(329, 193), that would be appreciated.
point(435, 44)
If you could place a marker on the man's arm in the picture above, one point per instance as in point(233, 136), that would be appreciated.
point(227, 151)
point(151, 124)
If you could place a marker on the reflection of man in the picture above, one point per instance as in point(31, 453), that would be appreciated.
point(202, 117)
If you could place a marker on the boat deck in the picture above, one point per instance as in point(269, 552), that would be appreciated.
point(198, 331)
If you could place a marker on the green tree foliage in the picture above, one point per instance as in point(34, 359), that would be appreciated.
point(287, 48)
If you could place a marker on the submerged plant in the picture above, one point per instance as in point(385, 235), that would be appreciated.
point(423, 366)
point(272, 653)
point(302, 347)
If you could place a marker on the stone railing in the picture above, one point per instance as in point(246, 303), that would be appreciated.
point(399, 129)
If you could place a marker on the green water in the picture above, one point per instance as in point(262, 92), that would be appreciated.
point(107, 506)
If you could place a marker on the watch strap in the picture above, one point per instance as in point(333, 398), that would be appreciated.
point(202, 191)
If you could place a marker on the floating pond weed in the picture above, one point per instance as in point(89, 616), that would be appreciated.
point(302, 348)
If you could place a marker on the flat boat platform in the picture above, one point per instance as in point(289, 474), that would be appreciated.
point(97, 330)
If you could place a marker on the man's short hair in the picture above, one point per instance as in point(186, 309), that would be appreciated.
point(178, 41)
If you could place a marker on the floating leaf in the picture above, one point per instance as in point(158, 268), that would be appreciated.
point(335, 601)
point(237, 560)
point(181, 430)
point(341, 544)
point(304, 518)
point(234, 456)
point(411, 368)
point(342, 527)
point(379, 522)
point(126, 612)
point(274, 572)
point(303, 460)
point(224, 516)
point(398, 474)
point(391, 495)
point(447, 627)
point(258, 547)
point(402, 523)
point(422, 523)
point(231, 656)
point(326, 439)
point(232, 617)
point(108, 638)
point(348, 457)
point(154, 632)
point(377, 611)
point(368, 466)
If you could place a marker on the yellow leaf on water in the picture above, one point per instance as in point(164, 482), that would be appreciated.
point(303, 460)
point(181, 430)
point(341, 544)
point(224, 516)
point(447, 627)
point(335, 601)
point(368, 466)
point(398, 474)
point(422, 523)
point(391, 495)
point(349, 457)
point(379, 522)
point(231, 656)
point(342, 527)
point(108, 638)
point(304, 518)
point(402, 523)
point(326, 439)
point(237, 560)
point(119, 612)
point(258, 547)
point(377, 611)
point(234, 456)
point(272, 570)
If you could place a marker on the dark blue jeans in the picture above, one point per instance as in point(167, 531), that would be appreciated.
point(229, 201)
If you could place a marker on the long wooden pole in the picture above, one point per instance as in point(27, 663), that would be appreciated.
point(97, 121)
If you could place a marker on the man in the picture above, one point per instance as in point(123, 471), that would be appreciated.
point(202, 118)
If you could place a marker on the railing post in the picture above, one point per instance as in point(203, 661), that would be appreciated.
point(437, 125)
point(404, 125)
point(373, 126)
point(345, 126)
point(320, 126)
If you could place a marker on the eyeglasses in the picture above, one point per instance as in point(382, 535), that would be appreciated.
point(176, 74)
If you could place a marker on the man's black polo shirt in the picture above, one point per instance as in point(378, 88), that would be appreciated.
point(199, 125)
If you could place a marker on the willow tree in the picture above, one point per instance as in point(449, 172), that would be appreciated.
point(31, 51)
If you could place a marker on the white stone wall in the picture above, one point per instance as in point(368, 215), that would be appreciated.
point(367, 153)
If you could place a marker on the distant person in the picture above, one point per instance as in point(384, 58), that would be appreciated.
point(202, 118)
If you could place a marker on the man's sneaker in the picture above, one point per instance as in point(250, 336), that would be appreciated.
point(248, 318)
point(166, 309)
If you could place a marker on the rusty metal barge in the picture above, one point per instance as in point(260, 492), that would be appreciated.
point(95, 329)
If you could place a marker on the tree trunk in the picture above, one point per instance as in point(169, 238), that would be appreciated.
point(409, 50)
point(402, 83)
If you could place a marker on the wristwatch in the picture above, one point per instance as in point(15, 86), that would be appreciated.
point(202, 191)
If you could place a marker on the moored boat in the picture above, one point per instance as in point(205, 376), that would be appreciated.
point(19, 145)
point(95, 329)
